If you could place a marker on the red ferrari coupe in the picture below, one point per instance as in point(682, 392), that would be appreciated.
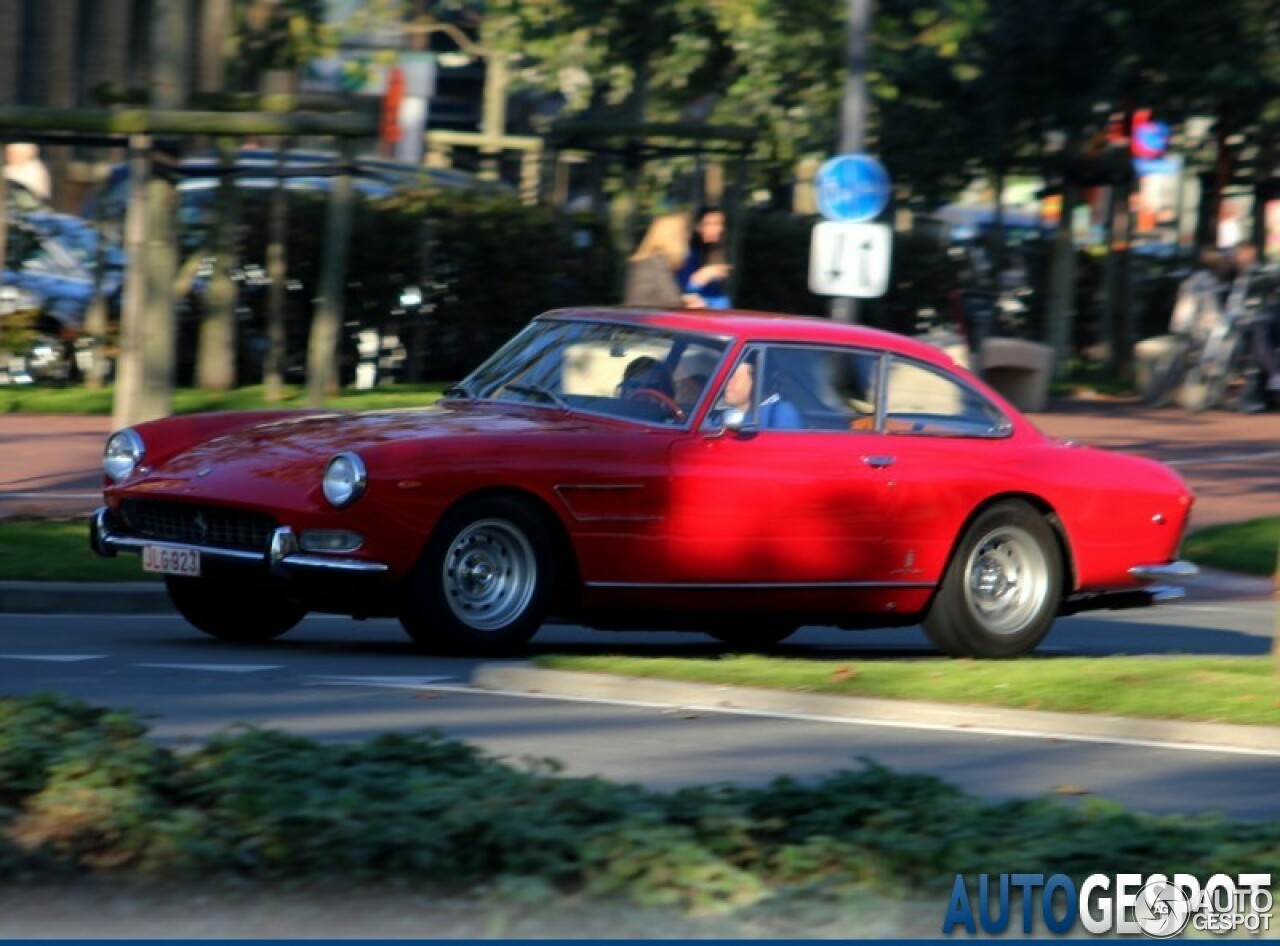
point(738, 474)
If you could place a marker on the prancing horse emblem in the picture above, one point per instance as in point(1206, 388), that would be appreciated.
point(202, 527)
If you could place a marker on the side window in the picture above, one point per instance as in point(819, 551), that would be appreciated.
point(829, 389)
point(788, 387)
point(924, 401)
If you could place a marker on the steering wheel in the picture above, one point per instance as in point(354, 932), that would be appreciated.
point(653, 394)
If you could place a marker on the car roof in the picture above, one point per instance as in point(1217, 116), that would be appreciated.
point(761, 326)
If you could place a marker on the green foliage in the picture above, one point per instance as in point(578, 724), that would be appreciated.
point(274, 34)
point(1251, 547)
point(84, 789)
point(1212, 689)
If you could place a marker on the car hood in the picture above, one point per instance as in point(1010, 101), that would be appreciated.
point(313, 439)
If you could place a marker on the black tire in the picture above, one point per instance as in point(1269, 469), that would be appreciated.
point(752, 637)
point(485, 581)
point(225, 608)
point(1003, 586)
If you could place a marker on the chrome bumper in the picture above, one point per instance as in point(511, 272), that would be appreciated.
point(1169, 570)
point(1163, 572)
point(1135, 597)
point(283, 557)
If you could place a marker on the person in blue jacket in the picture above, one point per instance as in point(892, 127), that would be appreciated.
point(776, 413)
point(704, 277)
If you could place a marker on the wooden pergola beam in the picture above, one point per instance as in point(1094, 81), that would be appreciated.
point(16, 119)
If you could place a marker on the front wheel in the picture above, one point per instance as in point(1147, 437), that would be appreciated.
point(1002, 589)
point(484, 583)
point(229, 611)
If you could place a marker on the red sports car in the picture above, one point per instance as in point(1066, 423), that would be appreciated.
point(734, 473)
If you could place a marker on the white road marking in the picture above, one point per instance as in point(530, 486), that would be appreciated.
point(1226, 458)
point(867, 721)
point(394, 683)
point(216, 668)
point(54, 658)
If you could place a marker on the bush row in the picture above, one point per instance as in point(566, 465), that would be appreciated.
point(83, 790)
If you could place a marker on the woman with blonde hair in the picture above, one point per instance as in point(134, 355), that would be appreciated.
point(651, 272)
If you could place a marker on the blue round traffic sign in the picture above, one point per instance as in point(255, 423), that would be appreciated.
point(853, 188)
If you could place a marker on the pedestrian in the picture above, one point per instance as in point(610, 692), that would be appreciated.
point(653, 267)
point(1199, 308)
point(1255, 302)
point(22, 164)
point(705, 273)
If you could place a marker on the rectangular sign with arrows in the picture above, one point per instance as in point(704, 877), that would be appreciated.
point(850, 260)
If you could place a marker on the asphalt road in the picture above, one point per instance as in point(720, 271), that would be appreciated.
point(335, 678)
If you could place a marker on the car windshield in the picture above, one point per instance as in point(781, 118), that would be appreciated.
point(626, 371)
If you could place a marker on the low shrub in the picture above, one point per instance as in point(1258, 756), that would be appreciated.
point(85, 790)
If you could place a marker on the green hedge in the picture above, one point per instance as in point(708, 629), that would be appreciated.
point(83, 790)
point(485, 263)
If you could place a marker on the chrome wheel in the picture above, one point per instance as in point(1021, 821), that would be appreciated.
point(1002, 587)
point(1008, 579)
point(490, 574)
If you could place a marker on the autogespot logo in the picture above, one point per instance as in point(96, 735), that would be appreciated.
point(1162, 909)
point(1156, 905)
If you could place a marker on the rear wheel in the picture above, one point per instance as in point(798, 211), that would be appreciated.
point(484, 583)
point(233, 610)
point(1002, 589)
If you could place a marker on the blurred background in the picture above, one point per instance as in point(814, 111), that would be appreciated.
point(1056, 165)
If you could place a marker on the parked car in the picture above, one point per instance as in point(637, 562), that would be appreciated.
point(256, 170)
point(739, 474)
point(57, 289)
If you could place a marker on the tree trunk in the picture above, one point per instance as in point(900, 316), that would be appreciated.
point(1110, 281)
point(215, 25)
point(1062, 281)
point(10, 50)
point(147, 335)
point(326, 324)
point(277, 271)
point(128, 394)
point(216, 347)
point(62, 68)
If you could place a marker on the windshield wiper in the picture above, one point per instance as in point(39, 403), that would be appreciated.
point(458, 390)
point(541, 391)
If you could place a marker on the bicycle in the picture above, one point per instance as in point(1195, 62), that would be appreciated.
point(1217, 369)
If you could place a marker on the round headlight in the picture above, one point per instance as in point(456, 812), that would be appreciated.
point(123, 454)
point(344, 480)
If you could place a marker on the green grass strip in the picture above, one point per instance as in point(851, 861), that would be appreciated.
point(1205, 689)
point(1252, 547)
point(58, 550)
point(74, 400)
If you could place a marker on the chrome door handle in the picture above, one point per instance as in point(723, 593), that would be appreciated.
point(878, 463)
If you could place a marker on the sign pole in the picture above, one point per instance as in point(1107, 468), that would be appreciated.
point(853, 113)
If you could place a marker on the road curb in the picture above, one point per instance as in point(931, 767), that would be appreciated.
point(707, 697)
point(84, 597)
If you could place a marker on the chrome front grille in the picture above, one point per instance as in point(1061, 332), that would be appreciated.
point(215, 526)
